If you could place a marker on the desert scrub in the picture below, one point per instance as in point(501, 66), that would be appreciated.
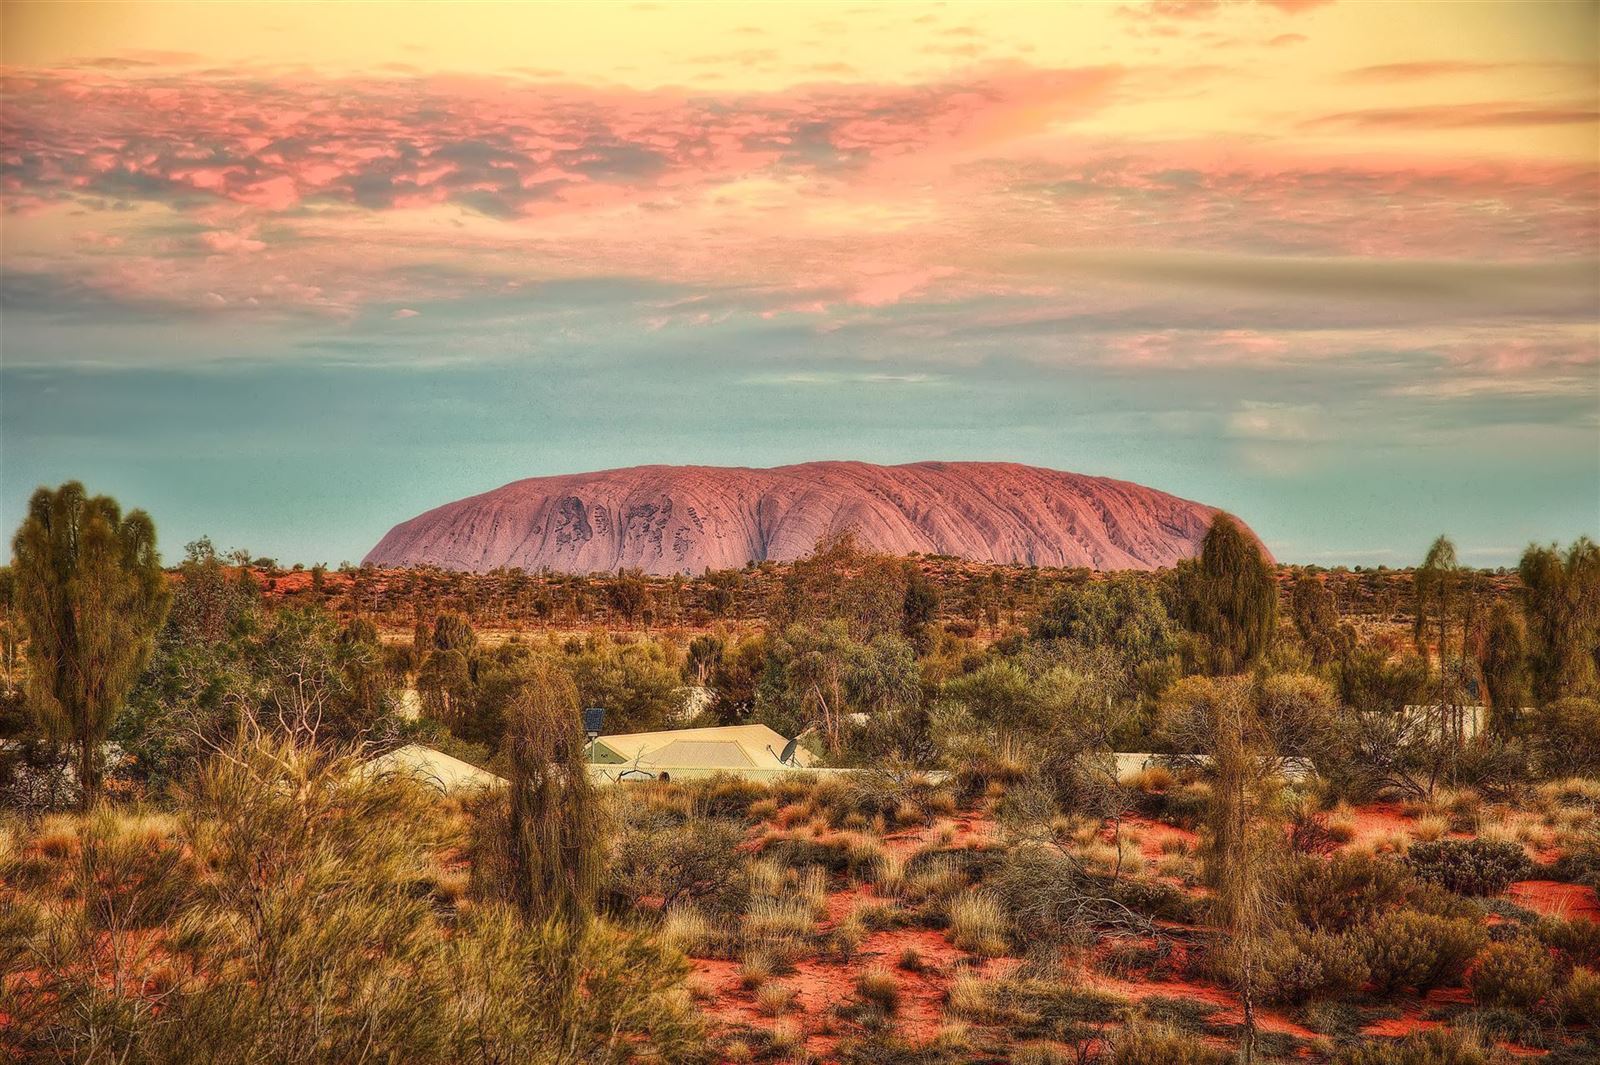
point(978, 924)
point(686, 928)
point(1345, 891)
point(779, 918)
point(1577, 937)
point(1437, 1046)
point(1469, 867)
point(1151, 1045)
point(773, 998)
point(1299, 967)
point(1516, 974)
point(1580, 999)
point(1408, 949)
point(971, 997)
point(879, 987)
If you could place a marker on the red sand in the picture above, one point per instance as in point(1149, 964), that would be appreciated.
point(1556, 899)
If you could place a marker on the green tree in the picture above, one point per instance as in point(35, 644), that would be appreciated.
point(1439, 587)
point(1230, 596)
point(453, 632)
point(1504, 666)
point(1316, 618)
point(1562, 597)
point(92, 597)
point(554, 847)
point(1241, 859)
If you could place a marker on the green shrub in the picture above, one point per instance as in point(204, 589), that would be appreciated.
point(1469, 867)
point(1437, 1046)
point(1411, 949)
point(1580, 999)
point(1579, 937)
point(1298, 967)
point(1346, 890)
point(1515, 975)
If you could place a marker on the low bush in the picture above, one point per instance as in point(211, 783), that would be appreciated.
point(1578, 938)
point(1146, 1045)
point(978, 924)
point(1409, 949)
point(1580, 999)
point(1516, 975)
point(1469, 867)
point(1299, 967)
point(1345, 891)
point(1436, 1046)
point(879, 987)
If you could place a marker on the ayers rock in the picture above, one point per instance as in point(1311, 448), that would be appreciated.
point(686, 519)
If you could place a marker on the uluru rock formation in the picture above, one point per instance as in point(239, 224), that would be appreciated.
point(686, 519)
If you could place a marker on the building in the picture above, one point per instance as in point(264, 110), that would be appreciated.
point(435, 768)
point(754, 751)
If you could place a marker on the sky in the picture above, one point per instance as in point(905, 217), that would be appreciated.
point(287, 274)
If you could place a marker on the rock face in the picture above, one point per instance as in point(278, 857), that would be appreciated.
point(686, 519)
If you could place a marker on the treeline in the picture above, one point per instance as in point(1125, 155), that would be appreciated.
point(970, 598)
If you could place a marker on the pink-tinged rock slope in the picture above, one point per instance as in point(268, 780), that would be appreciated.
point(686, 519)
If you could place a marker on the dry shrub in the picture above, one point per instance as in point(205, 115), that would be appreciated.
point(1580, 999)
point(880, 988)
point(774, 998)
point(1436, 1046)
point(1516, 974)
point(1344, 891)
point(1429, 829)
point(978, 924)
point(1150, 1045)
point(1408, 949)
point(1299, 967)
point(779, 918)
point(971, 997)
point(687, 929)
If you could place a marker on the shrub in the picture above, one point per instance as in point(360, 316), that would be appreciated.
point(1144, 1045)
point(1437, 1046)
point(879, 987)
point(1580, 999)
point(773, 998)
point(1516, 975)
point(1469, 867)
point(1297, 967)
point(1413, 949)
point(1579, 937)
point(1345, 891)
point(978, 924)
point(779, 918)
point(689, 930)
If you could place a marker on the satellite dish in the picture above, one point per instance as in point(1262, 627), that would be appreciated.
point(787, 757)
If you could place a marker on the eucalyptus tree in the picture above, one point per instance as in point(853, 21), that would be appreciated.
point(92, 596)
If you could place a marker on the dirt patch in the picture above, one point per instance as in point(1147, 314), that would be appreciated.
point(1554, 898)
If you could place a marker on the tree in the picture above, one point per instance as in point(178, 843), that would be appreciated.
point(1562, 597)
point(453, 632)
point(1316, 618)
point(1241, 862)
point(92, 597)
point(1229, 596)
point(555, 853)
point(1438, 587)
point(1504, 665)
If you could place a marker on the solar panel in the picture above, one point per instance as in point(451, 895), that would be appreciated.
point(594, 721)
